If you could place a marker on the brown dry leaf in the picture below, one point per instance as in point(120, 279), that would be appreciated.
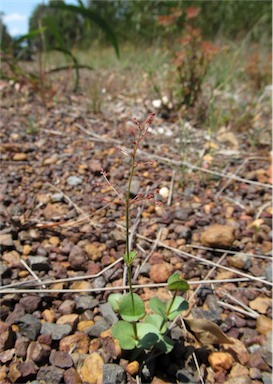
point(207, 332)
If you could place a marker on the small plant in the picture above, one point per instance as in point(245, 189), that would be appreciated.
point(137, 329)
point(191, 55)
point(258, 69)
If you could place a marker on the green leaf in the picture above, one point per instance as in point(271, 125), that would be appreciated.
point(114, 300)
point(177, 283)
point(51, 25)
point(157, 321)
point(132, 309)
point(179, 305)
point(148, 335)
point(158, 307)
point(95, 17)
point(28, 36)
point(129, 258)
point(165, 344)
point(124, 333)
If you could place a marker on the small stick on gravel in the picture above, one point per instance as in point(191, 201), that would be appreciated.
point(32, 273)
point(196, 168)
point(155, 243)
point(208, 262)
point(262, 208)
point(66, 280)
point(206, 277)
point(228, 251)
point(229, 181)
point(241, 304)
point(119, 288)
point(237, 309)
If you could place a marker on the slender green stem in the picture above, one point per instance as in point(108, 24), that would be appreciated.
point(169, 309)
point(135, 330)
point(127, 206)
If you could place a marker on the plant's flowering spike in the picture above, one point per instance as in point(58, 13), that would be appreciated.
point(103, 172)
point(151, 197)
point(149, 119)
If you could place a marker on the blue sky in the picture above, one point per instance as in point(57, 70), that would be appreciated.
point(17, 13)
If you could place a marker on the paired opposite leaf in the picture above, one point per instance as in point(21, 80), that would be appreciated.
point(157, 321)
point(179, 305)
point(114, 300)
point(132, 308)
point(147, 335)
point(177, 283)
point(129, 258)
point(158, 307)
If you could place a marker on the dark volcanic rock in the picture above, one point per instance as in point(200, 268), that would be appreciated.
point(21, 346)
point(38, 352)
point(29, 326)
point(85, 302)
point(97, 328)
point(113, 374)
point(39, 263)
point(16, 314)
point(30, 303)
point(50, 375)
point(60, 359)
point(7, 336)
point(71, 376)
point(57, 331)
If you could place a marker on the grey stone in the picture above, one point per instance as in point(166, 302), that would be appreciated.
point(57, 197)
point(183, 376)
point(85, 302)
point(211, 315)
point(29, 326)
point(182, 231)
point(267, 378)
point(57, 331)
point(212, 303)
point(77, 258)
point(50, 375)
point(108, 313)
point(267, 349)
point(6, 240)
point(73, 181)
point(268, 272)
point(99, 282)
point(113, 374)
point(134, 190)
point(182, 214)
point(39, 263)
point(4, 270)
point(97, 328)
point(239, 380)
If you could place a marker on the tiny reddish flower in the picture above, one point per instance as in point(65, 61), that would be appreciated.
point(166, 20)
point(192, 12)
